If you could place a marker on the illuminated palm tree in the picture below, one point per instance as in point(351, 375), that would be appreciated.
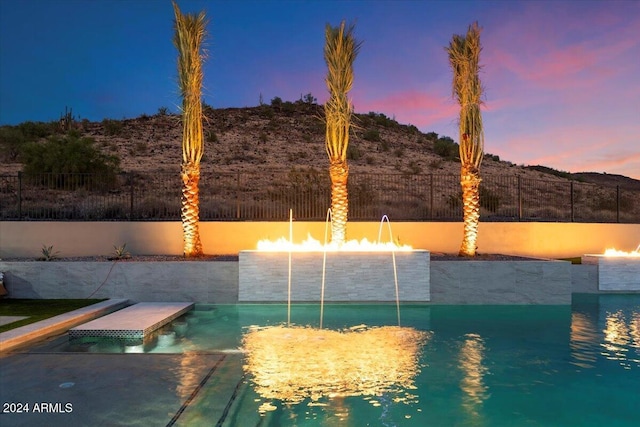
point(340, 51)
point(464, 53)
point(190, 31)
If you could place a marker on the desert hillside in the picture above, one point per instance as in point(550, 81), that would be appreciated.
point(286, 135)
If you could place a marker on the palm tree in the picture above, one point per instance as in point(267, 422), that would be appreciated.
point(464, 53)
point(340, 51)
point(190, 31)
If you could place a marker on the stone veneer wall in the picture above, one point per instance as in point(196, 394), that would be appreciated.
point(177, 281)
point(616, 273)
point(450, 282)
point(509, 282)
point(349, 276)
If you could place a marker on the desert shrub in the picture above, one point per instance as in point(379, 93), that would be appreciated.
point(69, 155)
point(37, 130)
point(288, 107)
point(372, 135)
point(276, 102)
point(163, 111)
point(112, 127)
point(398, 152)
point(431, 136)
point(212, 137)
point(353, 152)
point(446, 148)
point(382, 120)
point(12, 141)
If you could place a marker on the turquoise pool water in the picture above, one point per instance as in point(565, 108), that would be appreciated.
point(575, 365)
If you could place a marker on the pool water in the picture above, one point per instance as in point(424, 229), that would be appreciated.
point(575, 365)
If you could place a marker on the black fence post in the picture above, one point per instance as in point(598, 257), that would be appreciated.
point(130, 175)
point(431, 196)
point(20, 195)
point(519, 198)
point(571, 195)
point(238, 195)
point(617, 203)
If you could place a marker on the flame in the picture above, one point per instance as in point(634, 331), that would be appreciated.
point(313, 245)
point(616, 253)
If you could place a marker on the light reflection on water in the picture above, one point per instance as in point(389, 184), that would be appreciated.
point(291, 364)
point(472, 383)
point(611, 335)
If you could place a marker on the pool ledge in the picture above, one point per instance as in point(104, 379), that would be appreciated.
point(27, 334)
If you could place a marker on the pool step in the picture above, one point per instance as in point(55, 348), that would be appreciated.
point(134, 322)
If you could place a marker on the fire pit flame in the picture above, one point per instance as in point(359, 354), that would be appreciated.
point(611, 252)
point(313, 245)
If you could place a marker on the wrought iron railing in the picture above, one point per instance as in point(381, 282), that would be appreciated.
point(268, 196)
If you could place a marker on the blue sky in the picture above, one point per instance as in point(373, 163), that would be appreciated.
point(560, 76)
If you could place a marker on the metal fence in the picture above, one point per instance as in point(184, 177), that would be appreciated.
point(268, 196)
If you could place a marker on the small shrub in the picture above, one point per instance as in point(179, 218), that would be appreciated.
point(212, 137)
point(263, 137)
point(446, 148)
point(163, 111)
point(48, 254)
point(276, 102)
point(120, 252)
point(372, 135)
point(399, 152)
point(112, 127)
point(12, 141)
point(370, 160)
point(353, 152)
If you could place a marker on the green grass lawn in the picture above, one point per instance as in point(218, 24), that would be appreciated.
point(38, 309)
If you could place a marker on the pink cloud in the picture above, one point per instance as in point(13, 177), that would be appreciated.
point(416, 107)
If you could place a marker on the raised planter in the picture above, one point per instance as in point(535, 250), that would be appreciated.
point(530, 281)
point(162, 281)
point(533, 281)
point(616, 273)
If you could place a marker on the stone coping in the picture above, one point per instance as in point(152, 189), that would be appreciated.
point(27, 334)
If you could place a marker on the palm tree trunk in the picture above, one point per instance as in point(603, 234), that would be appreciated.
point(339, 173)
point(470, 182)
point(190, 211)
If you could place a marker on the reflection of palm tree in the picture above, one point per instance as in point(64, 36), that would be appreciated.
point(472, 384)
point(340, 51)
point(189, 33)
point(464, 53)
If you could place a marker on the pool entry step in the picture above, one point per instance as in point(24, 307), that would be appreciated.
point(136, 321)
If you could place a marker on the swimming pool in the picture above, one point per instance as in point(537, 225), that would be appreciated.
point(575, 365)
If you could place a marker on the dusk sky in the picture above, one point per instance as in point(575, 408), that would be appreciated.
point(561, 78)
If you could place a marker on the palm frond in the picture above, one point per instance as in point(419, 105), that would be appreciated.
point(340, 51)
point(190, 33)
point(464, 55)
